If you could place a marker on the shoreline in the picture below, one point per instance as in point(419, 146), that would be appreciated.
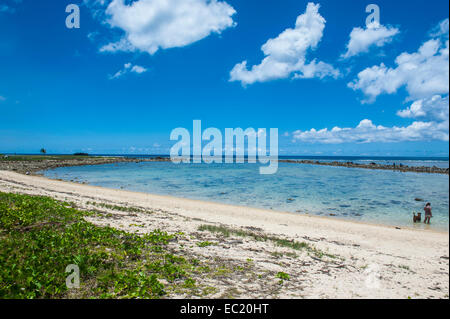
point(412, 262)
point(200, 202)
point(48, 162)
point(32, 167)
point(196, 201)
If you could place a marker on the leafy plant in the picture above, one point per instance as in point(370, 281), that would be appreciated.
point(283, 276)
point(40, 237)
point(204, 243)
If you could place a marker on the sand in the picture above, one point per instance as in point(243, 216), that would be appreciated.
point(359, 260)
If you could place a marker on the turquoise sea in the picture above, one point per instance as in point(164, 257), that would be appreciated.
point(375, 196)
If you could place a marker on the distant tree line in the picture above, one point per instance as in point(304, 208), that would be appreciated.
point(43, 151)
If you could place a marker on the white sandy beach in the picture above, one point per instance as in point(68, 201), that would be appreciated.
point(371, 261)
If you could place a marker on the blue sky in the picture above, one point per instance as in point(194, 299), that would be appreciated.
point(133, 72)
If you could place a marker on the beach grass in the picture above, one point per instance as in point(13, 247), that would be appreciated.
point(278, 241)
point(119, 208)
point(40, 237)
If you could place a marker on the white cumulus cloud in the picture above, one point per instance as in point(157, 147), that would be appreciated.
point(286, 54)
point(424, 74)
point(362, 39)
point(434, 108)
point(138, 69)
point(150, 25)
point(367, 132)
point(440, 29)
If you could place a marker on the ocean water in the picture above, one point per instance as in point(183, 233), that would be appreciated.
point(441, 162)
point(375, 196)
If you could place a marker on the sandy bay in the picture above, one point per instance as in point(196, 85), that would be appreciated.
point(358, 260)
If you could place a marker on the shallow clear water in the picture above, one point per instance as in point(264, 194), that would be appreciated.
point(376, 196)
point(441, 162)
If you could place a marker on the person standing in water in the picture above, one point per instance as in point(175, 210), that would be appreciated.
point(428, 214)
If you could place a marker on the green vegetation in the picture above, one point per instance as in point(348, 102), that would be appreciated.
point(405, 267)
point(38, 158)
point(40, 237)
point(119, 208)
point(225, 231)
point(204, 244)
point(283, 276)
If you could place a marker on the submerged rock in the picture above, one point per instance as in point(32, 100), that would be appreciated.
point(373, 165)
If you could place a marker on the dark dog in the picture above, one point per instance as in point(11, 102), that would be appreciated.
point(418, 218)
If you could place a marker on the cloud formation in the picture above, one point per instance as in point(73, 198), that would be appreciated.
point(367, 132)
point(286, 54)
point(424, 74)
point(434, 109)
point(361, 40)
point(150, 25)
point(127, 68)
point(441, 29)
